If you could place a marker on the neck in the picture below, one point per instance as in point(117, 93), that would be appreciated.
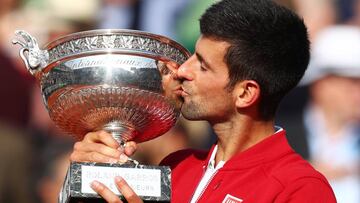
point(240, 134)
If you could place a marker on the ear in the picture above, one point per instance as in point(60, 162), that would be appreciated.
point(247, 93)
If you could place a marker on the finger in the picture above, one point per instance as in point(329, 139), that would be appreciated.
point(91, 157)
point(123, 158)
point(101, 137)
point(91, 137)
point(126, 191)
point(130, 148)
point(105, 192)
point(97, 147)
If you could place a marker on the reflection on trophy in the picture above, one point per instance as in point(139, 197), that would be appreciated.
point(115, 80)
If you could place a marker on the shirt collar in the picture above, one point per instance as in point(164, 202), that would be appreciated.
point(211, 162)
point(270, 148)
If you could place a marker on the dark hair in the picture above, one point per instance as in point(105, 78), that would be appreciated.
point(269, 44)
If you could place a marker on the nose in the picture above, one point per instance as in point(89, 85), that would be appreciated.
point(184, 72)
point(172, 69)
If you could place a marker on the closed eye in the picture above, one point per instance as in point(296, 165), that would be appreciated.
point(203, 65)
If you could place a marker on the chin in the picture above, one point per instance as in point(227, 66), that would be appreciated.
point(178, 105)
point(176, 102)
point(190, 115)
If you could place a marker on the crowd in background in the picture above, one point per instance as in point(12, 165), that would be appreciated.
point(321, 116)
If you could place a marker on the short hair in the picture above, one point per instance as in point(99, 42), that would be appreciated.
point(268, 44)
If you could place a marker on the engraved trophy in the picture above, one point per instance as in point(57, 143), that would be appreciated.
point(110, 80)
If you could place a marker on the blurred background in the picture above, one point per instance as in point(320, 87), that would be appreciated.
point(321, 116)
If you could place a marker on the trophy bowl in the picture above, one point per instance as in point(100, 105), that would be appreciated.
point(114, 80)
point(106, 79)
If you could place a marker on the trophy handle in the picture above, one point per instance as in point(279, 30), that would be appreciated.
point(34, 58)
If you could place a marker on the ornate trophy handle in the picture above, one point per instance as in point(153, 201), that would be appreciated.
point(34, 58)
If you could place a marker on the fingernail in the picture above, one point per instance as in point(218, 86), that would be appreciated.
point(118, 179)
point(113, 161)
point(121, 149)
point(94, 184)
point(132, 150)
point(123, 158)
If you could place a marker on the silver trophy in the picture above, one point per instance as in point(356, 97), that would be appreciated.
point(115, 80)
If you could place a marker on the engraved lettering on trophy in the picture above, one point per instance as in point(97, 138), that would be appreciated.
point(108, 61)
point(76, 64)
point(126, 175)
point(142, 181)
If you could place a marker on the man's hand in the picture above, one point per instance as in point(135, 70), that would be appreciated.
point(111, 197)
point(101, 147)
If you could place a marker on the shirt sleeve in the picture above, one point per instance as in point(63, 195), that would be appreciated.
point(304, 190)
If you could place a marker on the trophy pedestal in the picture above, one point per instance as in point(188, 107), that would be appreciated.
point(151, 183)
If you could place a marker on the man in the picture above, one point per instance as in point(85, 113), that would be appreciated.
point(333, 82)
point(54, 159)
point(16, 155)
point(249, 55)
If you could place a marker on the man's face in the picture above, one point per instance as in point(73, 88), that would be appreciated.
point(339, 94)
point(204, 79)
point(170, 84)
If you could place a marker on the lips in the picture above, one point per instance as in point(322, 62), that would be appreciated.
point(178, 90)
point(184, 92)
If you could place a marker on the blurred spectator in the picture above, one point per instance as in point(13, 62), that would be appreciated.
point(79, 11)
point(317, 14)
point(331, 119)
point(346, 10)
point(118, 14)
point(54, 162)
point(15, 83)
point(21, 103)
point(320, 14)
point(160, 16)
point(15, 167)
point(355, 18)
point(15, 86)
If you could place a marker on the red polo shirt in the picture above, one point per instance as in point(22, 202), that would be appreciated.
point(270, 171)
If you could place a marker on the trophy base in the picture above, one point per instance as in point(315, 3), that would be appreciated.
point(151, 183)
